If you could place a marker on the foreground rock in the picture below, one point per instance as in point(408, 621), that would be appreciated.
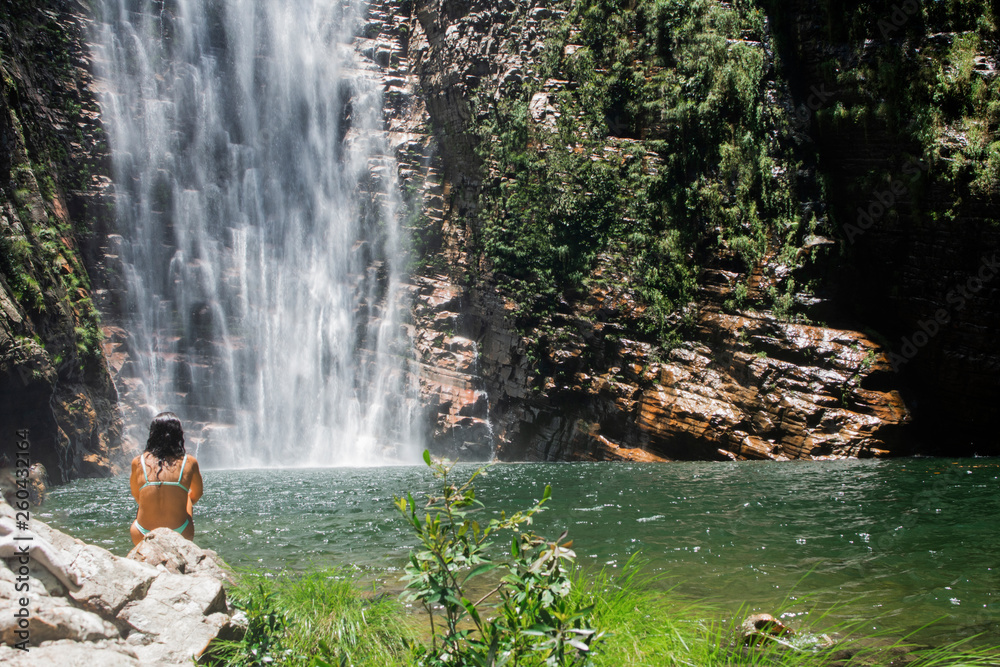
point(759, 629)
point(162, 605)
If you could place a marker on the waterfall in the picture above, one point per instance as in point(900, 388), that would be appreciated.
point(259, 244)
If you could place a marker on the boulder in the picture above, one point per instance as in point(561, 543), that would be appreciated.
point(176, 619)
point(162, 606)
point(759, 629)
point(177, 554)
point(108, 581)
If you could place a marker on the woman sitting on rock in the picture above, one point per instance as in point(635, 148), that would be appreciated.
point(165, 481)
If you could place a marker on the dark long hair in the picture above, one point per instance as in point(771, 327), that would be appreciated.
point(166, 437)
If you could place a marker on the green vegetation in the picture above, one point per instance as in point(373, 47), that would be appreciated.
point(655, 147)
point(325, 618)
point(546, 611)
point(922, 77)
point(646, 625)
point(315, 619)
point(662, 156)
point(39, 259)
point(534, 621)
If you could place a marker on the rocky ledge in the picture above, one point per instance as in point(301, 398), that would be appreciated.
point(586, 382)
point(162, 604)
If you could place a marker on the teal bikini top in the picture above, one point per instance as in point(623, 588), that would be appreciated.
point(142, 460)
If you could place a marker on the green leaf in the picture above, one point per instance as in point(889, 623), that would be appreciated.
point(427, 456)
point(539, 629)
point(481, 569)
point(471, 608)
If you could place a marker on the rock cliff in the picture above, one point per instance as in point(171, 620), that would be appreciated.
point(912, 189)
point(54, 383)
point(588, 381)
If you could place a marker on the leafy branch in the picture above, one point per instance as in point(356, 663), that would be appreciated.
point(533, 620)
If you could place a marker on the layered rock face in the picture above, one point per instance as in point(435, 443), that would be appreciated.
point(751, 387)
point(55, 390)
point(746, 386)
point(440, 177)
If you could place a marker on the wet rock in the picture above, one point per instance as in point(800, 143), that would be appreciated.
point(759, 629)
point(36, 484)
point(53, 392)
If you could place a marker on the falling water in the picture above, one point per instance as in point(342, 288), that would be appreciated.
point(259, 242)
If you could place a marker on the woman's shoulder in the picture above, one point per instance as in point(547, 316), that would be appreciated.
point(137, 466)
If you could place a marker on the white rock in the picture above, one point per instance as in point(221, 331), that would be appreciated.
point(109, 582)
point(53, 619)
point(71, 654)
point(169, 617)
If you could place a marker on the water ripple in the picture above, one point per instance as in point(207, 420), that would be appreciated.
point(910, 541)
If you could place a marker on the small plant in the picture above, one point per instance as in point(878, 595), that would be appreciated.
point(265, 626)
point(869, 360)
point(535, 621)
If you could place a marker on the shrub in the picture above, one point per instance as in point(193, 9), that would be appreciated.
point(535, 621)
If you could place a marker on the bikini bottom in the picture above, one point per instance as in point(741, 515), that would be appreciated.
point(176, 530)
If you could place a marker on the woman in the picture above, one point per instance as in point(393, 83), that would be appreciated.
point(165, 481)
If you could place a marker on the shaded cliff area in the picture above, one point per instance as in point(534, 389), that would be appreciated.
point(54, 380)
point(906, 149)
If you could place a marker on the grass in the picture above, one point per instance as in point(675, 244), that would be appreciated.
point(646, 625)
point(316, 618)
point(325, 618)
point(643, 625)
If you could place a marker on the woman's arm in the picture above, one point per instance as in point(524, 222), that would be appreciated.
point(134, 482)
point(194, 495)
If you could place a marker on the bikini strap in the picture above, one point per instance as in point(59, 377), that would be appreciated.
point(142, 460)
point(183, 463)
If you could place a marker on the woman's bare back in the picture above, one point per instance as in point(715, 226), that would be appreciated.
point(166, 493)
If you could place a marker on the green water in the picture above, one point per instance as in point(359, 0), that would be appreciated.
point(901, 542)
